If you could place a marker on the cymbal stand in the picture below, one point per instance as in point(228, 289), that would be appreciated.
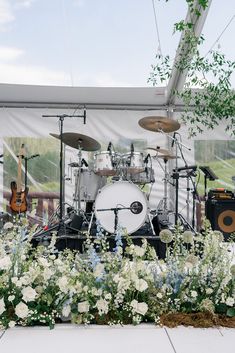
point(61, 225)
point(77, 193)
point(175, 174)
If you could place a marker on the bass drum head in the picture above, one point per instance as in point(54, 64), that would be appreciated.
point(117, 195)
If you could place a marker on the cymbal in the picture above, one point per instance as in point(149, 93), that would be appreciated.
point(159, 123)
point(167, 156)
point(158, 149)
point(77, 141)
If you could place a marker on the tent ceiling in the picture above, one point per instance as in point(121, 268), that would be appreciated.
point(30, 96)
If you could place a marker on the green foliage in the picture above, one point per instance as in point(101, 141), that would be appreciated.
point(207, 96)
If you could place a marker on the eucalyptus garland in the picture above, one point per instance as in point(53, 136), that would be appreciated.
point(207, 96)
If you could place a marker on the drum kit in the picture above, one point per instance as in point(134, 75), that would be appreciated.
point(112, 189)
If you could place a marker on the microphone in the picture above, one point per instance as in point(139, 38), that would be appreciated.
point(1, 155)
point(84, 121)
point(189, 167)
point(173, 140)
point(84, 162)
point(109, 147)
point(146, 158)
point(132, 149)
point(35, 155)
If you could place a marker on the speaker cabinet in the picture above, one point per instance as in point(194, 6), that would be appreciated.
point(221, 214)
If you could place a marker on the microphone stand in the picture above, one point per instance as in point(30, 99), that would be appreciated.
point(175, 175)
point(61, 118)
point(26, 159)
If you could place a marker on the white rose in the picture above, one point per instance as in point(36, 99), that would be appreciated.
point(159, 295)
point(142, 308)
point(11, 324)
point(2, 306)
point(21, 310)
point(63, 284)
point(66, 310)
point(83, 307)
point(193, 294)
point(229, 301)
point(5, 263)
point(102, 306)
point(29, 294)
point(139, 308)
point(141, 285)
point(11, 298)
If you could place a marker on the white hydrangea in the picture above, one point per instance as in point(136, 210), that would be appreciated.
point(47, 273)
point(63, 284)
point(29, 294)
point(209, 291)
point(83, 307)
point(43, 262)
point(141, 285)
point(139, 251)
point(2, 306)
point(21, 310)
point(102, 306)
point(5, 263)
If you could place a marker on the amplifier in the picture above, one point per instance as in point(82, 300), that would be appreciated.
point(221, 214)
point(220, 194)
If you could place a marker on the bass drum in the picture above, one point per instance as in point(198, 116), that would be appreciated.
point(121, 194)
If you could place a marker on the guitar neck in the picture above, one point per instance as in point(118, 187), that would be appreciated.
point(19, 176)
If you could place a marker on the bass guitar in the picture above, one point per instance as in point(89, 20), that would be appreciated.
point(18, 201)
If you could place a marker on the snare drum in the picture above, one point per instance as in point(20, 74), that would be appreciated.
point(104, 163)
point(134, 162)
point(121, 194)
point(145, 177)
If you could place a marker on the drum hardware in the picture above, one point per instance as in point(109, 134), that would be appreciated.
point(136, 207)
point(63, 137)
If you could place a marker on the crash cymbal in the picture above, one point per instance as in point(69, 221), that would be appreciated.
point(158, 150)
point(159, 124)
point(75, 140)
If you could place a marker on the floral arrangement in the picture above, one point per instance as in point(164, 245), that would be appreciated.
point(39, 285)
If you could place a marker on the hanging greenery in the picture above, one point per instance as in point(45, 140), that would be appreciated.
point(207, 95)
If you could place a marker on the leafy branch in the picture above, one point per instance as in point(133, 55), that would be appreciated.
point(207, 95)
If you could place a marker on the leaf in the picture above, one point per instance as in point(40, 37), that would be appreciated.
point(230, 312)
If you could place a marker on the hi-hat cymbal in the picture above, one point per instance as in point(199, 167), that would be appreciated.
point(167, 156)
point(75, 140)
point(158, 149)
point(159, 124)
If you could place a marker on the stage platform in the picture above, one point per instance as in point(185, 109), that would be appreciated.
point(104, 339)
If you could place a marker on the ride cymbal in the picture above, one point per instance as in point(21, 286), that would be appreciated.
point(159, 124)
point(77, 141)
